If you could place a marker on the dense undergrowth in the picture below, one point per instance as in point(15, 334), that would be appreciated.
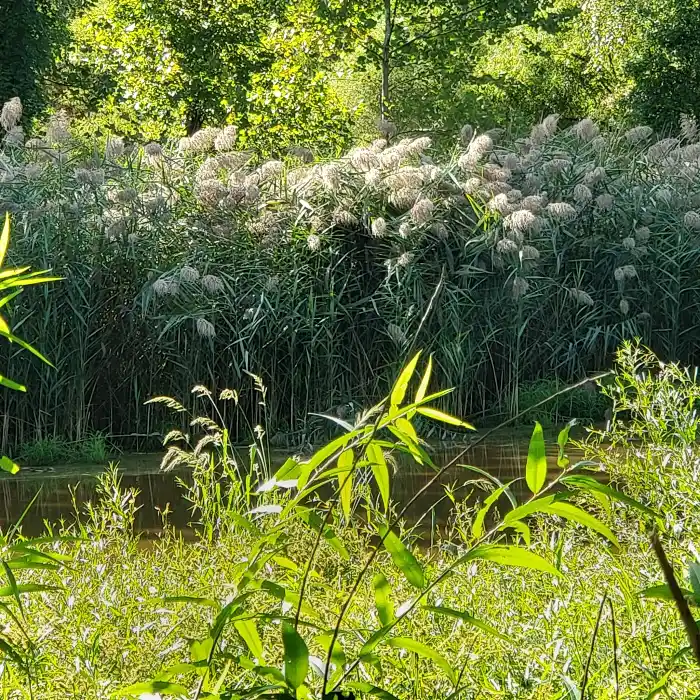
point(198, 263)
point(504, 604)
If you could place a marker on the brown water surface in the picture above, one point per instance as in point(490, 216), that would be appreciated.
point(59, 488)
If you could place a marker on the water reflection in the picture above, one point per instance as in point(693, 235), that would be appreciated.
point(61, 489)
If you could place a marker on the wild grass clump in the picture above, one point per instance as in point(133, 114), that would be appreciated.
point(93, 449)
point(195, 263)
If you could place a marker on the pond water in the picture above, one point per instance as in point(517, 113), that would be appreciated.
point(59, 488)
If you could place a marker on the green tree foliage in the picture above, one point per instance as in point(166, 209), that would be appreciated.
point(667, 68)
point(32, 33)
point(158, 69)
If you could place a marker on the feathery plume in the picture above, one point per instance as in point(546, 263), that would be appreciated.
point(11, 113)
point(226, 139)
point(604, 202)
point(188, 274)
point(561, 210)
point(212, 284)
point(585, 130)
point(379, 227)
point(582, 194)
point(205, 328)
point(638, 134)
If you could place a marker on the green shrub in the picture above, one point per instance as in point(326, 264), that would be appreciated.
point(586, 405)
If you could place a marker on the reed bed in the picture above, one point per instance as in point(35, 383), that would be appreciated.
point(195, 263)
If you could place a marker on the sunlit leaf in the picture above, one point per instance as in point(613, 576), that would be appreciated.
point(511, 555)
point(663, 592)
point(345, 461)
point(399, 391)
point(382, 599)
point(296, 656)
point(152, 687)
point(403, 558)
point(423, 650)
point(478, 524)
point(7, 591)
point(444, 417)
point(380, 471)
point(536, 468)
point(425, 381)
point(371, 690)
point(375, 638)
point(533, 507)
point(589, 483)
point(4, 238)
point(194, 600)
point(469, 619)
point(249, 634)
point(26, 346)
point(562, 440)
point(200, 649)
point(523, 529)
point(578, 515)
point(7, 465)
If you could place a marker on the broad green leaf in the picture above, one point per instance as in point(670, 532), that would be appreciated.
point(562, 440)
point(589, 483)
point(10, 652)
point(153, 687)
point(26, 346)
point(7, 591)
point(380, 470)
point(536, 469)
point(403, 558)
point(296, 656)
point(382, 599)
point(337, 654)
point(534, 506)
point(14, 590)
point(178, 670)
point(249, 634)
point(327, 451)
point(511, 555)
point(425, 381)
point(406, 427)
point(268, 672)
point(578, 515)
point(414, 449)
point(7, 465)
point(655, 691)
point(523, 529)
point(399, 391)
point(26, 281)
point(372, 690)
point(5, 238)
point(478, 524)
point(4, 381)
point(663, 592)
point(412, 645)
point(289, 470)
point(200, 649)
point(469, 619)
point(345, 461)
point(375, 638)
point(444, 417)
